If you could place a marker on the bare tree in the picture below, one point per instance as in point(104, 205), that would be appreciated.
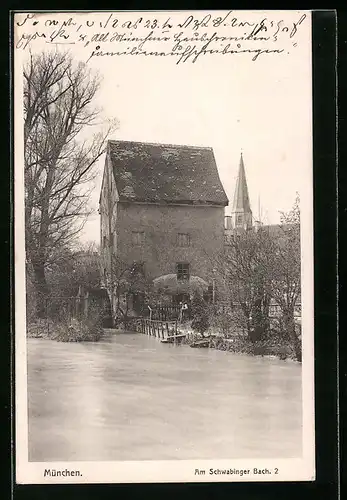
point(122, 281)
point(59, 160)
point(261, 266)
point(286, 273)
point(74, 268)
point(244, 267)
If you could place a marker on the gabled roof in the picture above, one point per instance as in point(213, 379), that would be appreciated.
point(241, 198)
point(166, 173)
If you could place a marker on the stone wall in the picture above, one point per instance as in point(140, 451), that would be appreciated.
point(161, 224)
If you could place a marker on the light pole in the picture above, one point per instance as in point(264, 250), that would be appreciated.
point(150, 312)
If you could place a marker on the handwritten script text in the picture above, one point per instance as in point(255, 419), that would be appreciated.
point(181, 37)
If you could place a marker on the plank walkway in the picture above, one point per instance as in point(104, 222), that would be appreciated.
point(166, 331)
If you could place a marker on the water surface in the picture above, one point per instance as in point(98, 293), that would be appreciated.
point(129, 397)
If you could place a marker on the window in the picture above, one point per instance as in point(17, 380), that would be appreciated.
point(182, 271)
point(183, 240)
point(138, 237)
point(104, 242)
point(239, 219)
point(141, 267)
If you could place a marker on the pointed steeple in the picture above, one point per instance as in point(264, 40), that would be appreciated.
point(241, 209)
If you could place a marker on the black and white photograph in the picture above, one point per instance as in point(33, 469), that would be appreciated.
point(163, 246)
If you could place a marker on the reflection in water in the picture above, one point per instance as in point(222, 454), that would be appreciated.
point(130, 397)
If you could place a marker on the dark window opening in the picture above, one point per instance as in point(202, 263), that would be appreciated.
point(239, 219)
point(138, 268)
point(182, 271)
point(139, 302)
point(138, 237)
point(208, 295)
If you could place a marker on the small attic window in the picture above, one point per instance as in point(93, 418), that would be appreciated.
point(138, 237)
point(183, 240)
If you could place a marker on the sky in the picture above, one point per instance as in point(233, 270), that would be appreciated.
point(261, 108)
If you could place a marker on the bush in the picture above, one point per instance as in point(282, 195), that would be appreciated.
point(64, 328)
point(87, 330)
point(229, 322)
point(200, 314)
point(67, 329)
point(243, 345)
point(39, 328)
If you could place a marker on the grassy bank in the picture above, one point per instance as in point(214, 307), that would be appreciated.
point(66, 331)
point(92, 331)
point(236, 342)
point(245, 346)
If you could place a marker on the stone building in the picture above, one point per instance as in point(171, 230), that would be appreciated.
point(162, 209)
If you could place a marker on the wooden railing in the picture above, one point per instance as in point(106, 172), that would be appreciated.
point(165, 313)
point(164, 330)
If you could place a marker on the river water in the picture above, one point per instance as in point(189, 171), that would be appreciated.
point(130, 397)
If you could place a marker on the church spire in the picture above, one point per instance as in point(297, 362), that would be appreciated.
point(241, 209)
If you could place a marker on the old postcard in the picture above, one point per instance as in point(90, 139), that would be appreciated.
point(163, 247)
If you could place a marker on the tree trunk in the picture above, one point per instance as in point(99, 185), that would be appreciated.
point(112, 309)
point(257, 317)
point(246, 313)
point(261, 321)
point(297, 346)
point(289, 326)
point(41, 288)
point(266, 312)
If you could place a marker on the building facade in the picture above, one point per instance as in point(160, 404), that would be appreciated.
point(162, 208)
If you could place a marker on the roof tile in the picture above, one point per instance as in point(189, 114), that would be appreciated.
point(164, 172)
